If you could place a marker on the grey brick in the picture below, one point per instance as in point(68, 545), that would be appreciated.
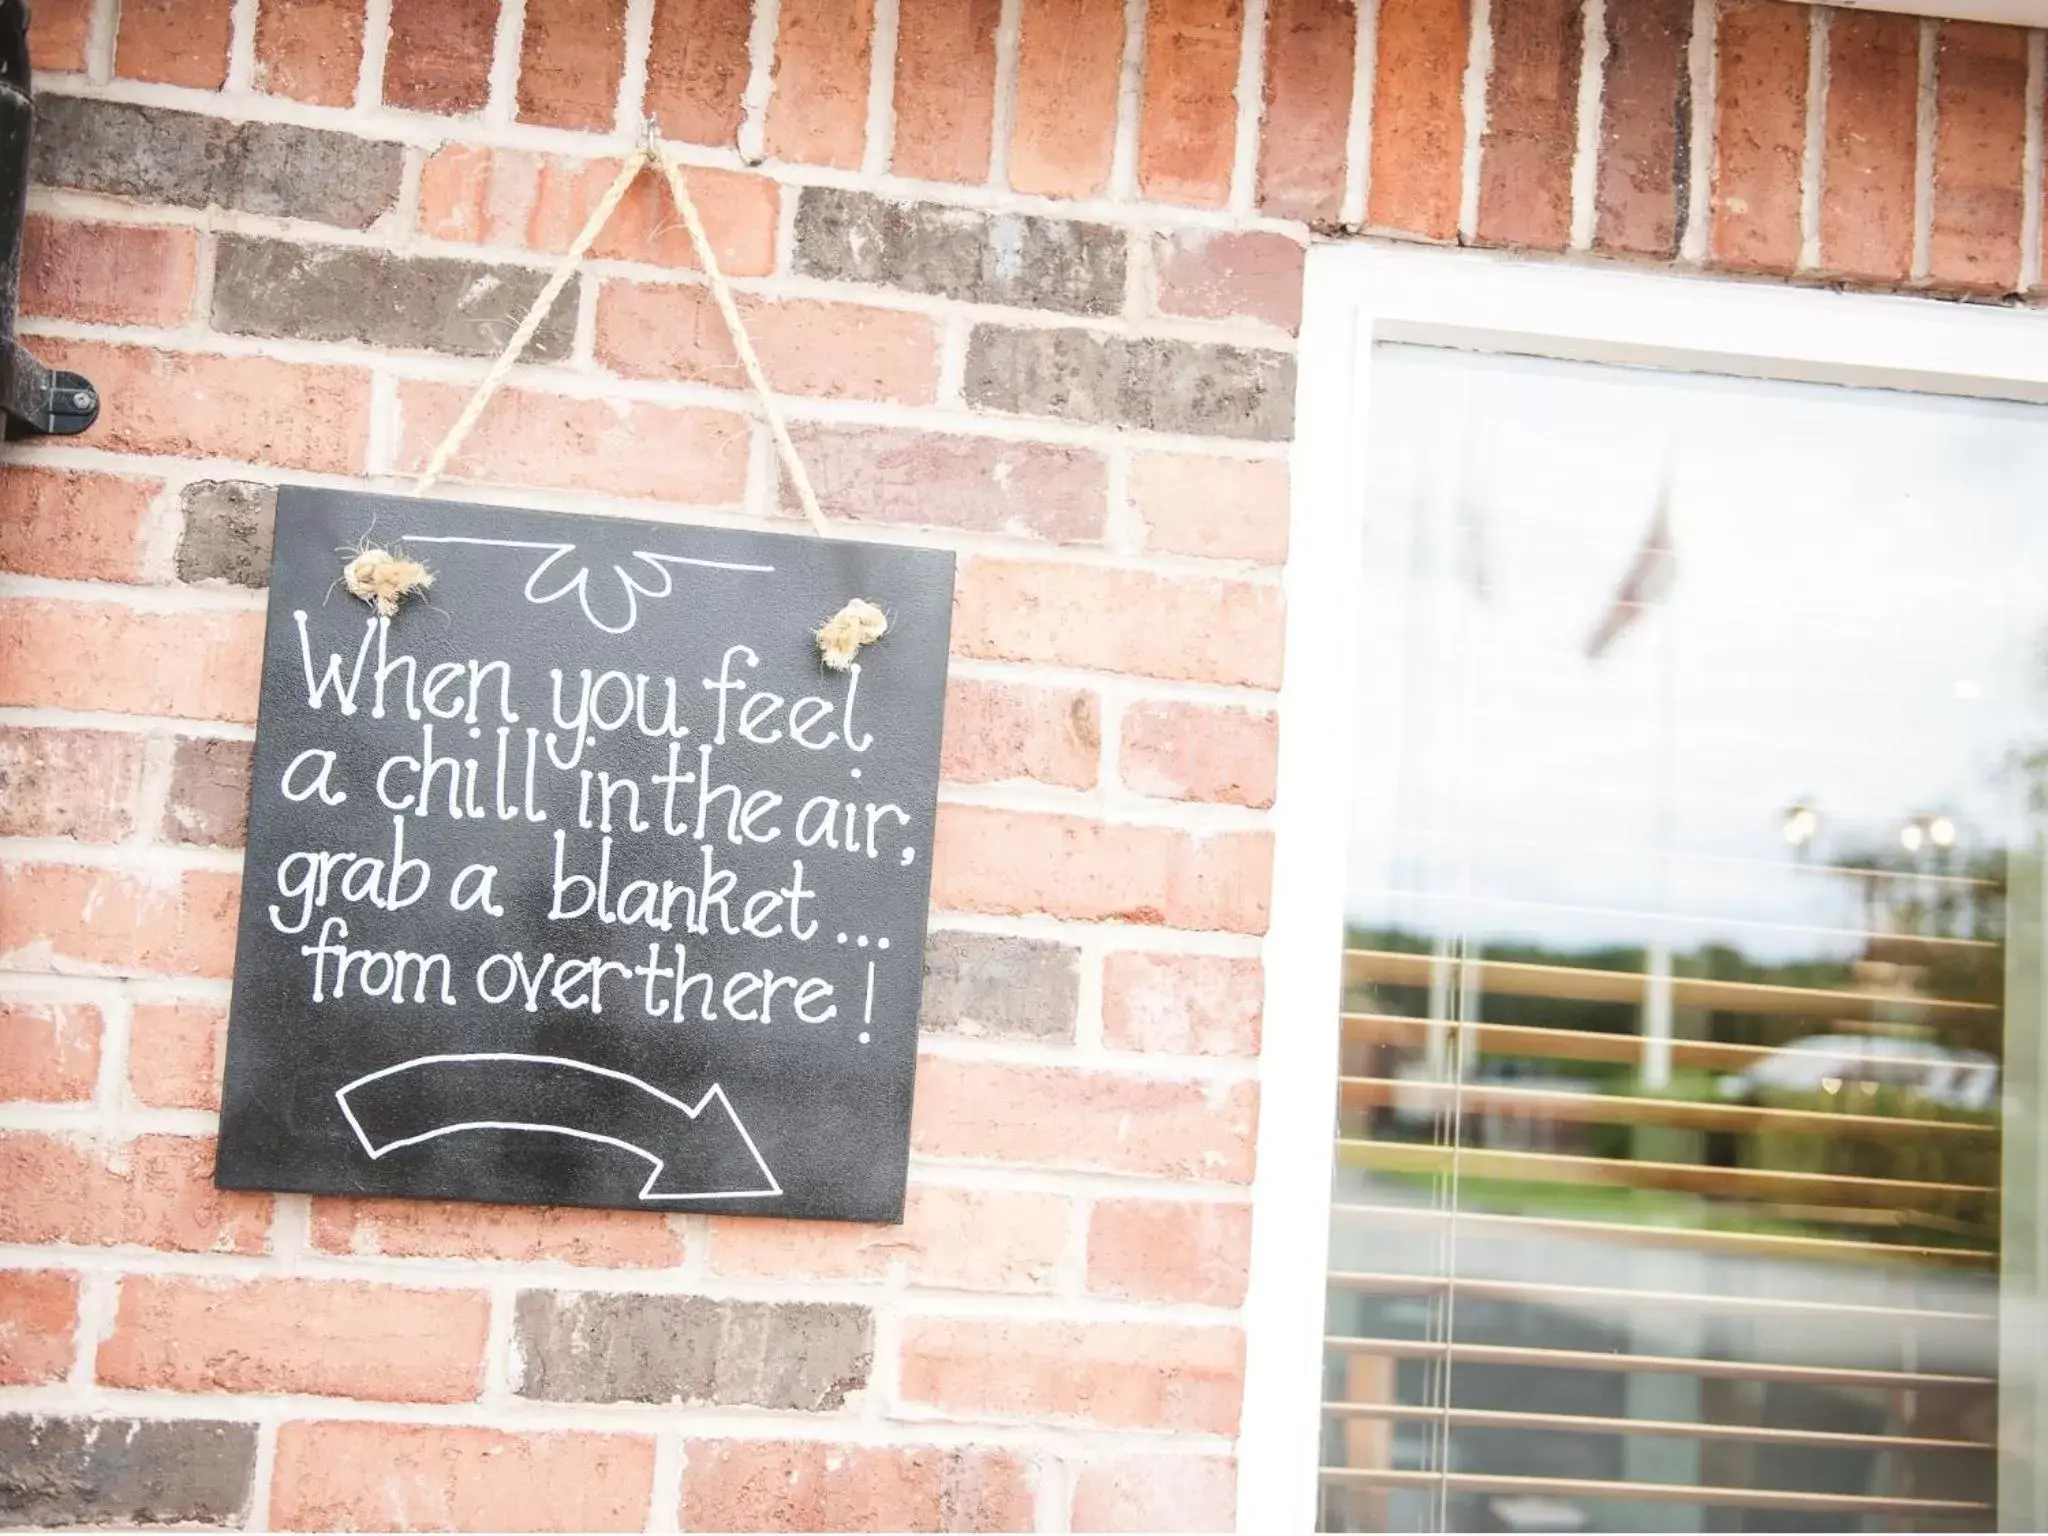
point(690, 1349)
point(228, 528)
point(75, 1471)
point(989, 986)
point(349, 293)
point(192, 160)
point(209, 797)
point(1005, 258)
point(1148, 382)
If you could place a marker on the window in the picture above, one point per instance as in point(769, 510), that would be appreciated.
point(1685, 711)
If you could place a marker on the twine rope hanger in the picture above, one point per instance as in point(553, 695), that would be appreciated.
point(382, 579)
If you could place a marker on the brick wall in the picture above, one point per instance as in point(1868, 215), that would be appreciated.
point(1027, 274)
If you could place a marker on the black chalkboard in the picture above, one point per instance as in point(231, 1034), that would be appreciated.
point(710, 1006)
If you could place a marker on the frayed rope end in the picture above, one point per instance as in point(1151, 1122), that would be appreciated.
point(384, 580)
point(840, 637)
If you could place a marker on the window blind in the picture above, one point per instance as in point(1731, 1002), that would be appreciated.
point(1702, 718)
point(1812, 1290)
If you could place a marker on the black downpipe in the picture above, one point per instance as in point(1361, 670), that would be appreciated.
point(38, 401)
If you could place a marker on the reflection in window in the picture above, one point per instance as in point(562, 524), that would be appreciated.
point(1701, 733)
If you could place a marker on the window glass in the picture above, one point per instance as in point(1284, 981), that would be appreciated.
point(1702, 733)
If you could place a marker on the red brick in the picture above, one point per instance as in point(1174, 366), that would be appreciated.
point(49, 1052)
point(740, 213)
point(1068, 866)
point(199, 405)
point(1759, 133)
point(329, 1338)
point(443, 1477)
point(1214, 275)
point(1069, 69)
point(1119, 621)
point(1227, 509)
point(1311, 48)
point(56, 34)
point(1867, 188)
point(697, 69)
point(571, 55)
point(38, 1316)
point(961, 1239)
point(541, 202)
point(73, 918)
point(1205, 1005)
point(1195, 1251)
point(114, 274)
point(81, 784)
point(806, 346)
point(1194, 752)
point(1645, 90)
point(73, 524)
point(1126, 1375)
point(179, 42)
point(1004, 731)
point(1187, 127)
point(1525, 180)
point(1106, 1122)
point(949, 480)
point(309, 50)
point(153, 1192)
point(431, 1229)
point(1156, 1493)
point(808, 1485)
point(945, 88)
point(1418, 117)
point(628, 448)
point(196, 665)
point(818, 113)
point(439, 57)
point(479, 196)
point(175, 1051)
point(1979, 149)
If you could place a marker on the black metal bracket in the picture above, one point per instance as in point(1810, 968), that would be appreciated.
point(44, 402)
point(38, 401)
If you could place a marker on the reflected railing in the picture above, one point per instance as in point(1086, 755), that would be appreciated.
point(1761, 1296)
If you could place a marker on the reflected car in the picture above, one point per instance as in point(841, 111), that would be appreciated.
point(1958, 1079)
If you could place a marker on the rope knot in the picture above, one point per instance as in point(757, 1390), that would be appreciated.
point(840, 637)
point(384, 580)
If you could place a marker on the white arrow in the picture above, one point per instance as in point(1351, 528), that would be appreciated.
point(378, 1148)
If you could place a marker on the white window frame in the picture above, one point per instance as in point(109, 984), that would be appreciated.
point(1357, 295)
point(2004, 13)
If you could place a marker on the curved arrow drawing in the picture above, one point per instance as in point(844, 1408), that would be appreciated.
point(427, 1097)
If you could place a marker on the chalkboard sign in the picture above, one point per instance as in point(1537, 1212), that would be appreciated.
point(581, 879)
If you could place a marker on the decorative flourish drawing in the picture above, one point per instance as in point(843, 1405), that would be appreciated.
point(577, 580)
